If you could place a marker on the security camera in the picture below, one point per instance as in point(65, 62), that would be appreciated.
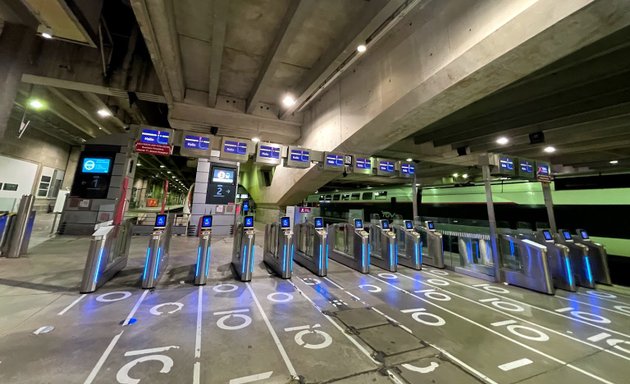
point(214, 130)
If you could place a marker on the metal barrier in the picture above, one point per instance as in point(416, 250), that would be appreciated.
point(107, 255)
point(384, 246)
point(432, 244)
point(21, 228)
point(350, 245)
point(409, 245)
point(311, 248)
point(279, 248)
point(202, 266)
point(157, 251)
point(597, 255)
point(6, 220)
point(557, 257)
point(581, 262)
point(469, 253)
point(243, 249)
point(525, 264)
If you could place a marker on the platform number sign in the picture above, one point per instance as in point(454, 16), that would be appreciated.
point(222, 185)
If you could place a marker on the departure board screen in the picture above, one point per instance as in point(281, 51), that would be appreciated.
point(506, 164)
point(407, 169)
point(154, 136)
point(196, 142)
point(363, 163)
point(96, 165)
point(300, 155)
point(333, 160)
point(235, 147)
point(269, 152)
point(386, 166)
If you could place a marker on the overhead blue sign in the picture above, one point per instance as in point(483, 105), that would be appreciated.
point(196, 142)
point(363, 163)
point(269, 152)
point(300, 155)
point(506, 164)
point(386, 166)
point(235, 147)
point(526, 167)
point(407, 169)
point(96, 165)
point(154, 136)
point(334, 160)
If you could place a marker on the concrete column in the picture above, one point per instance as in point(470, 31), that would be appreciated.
point(414, 197)
point(496, 257)
point(546, 188)
point(15, 45)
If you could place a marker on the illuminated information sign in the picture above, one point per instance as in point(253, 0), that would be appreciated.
point(407, 169)
point(333, 161)
point(298, 158)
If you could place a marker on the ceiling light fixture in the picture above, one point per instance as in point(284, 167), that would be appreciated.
point(465, 176)
point(44, 31)
point(549, 149)
point(409, 159)
point(103, 112)
point(361, 48)
point(288, 100)
point(36, 104)
point(614, 162)
point(455, 175)
point(502, 140)
point(255, 139)
point(162, 166)
point(169, 172)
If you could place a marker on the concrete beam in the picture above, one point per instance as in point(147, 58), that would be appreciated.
point(219, 21)
point(74, 103)
point(100, 104)
point(186, 116)
point(297, 12)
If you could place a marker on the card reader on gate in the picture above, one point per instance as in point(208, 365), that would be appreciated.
point(285, 223)
point(385, 225)
point(160, 222)
point(248, 222)
point(430, 226)
point(566, 235)
point(319, 223)
point(203, 251)
point(206, 222)
point(408, 225)
point(547, 235)
point(358, 224)
point(583, 235)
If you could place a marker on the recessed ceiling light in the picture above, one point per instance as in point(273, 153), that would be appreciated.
point(46, 35)
point(255, 139)
point(288, 101)
point(36, 104)
point(162, 166)
point(361, 48)
point(409, 159)
point(550, 149)
point(169, 172)
point(104, 112)
point(614, 162)
point(139, 165)
point(465, 175)
point(503, 140)
point(455, 174)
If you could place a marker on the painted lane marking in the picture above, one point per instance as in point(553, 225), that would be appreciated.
point(273, 333)
point(585, 315)
point(66, 309)
point(102, 359)
point(617, 309)
point(370, 288)
point(605, 298)
point(418, 313)
point(430, 368)
point(306, 330)
point(252, 378)
point(44, 329)
point(232, 311)
point(515, 364)
point(104, 298)
point(555, 359)
point(155, 311)
point(599, 337)
point(530, 306)
point(150, 350)
point(502, 323)
point(532, 323)
point(438, 272)
point(489, 300)
point(561, 310)
point(199, 323)
point(197, 372)
point(625, 309)
point(135, 308)
point(237, 313)
point(424, 290)
point(464, 366)
point(333, 283)
point(228, 288)
point(311, 281)
point(123, 373)
point(604, 295)
point(280, 297)
point(438, 296)
point(438, 282)
point(388, 276)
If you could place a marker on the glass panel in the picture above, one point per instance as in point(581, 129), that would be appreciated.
point(367, 195)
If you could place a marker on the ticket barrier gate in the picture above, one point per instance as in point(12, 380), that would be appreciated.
point(243, 249)
point(581, 263)
point(202, 267)
point(597, 255)
point(525, 264)
point(6, 220)
point(558, 259)
point(432, 244)
point(311, 250)
point(107, 255)
point(384, 246)
point(18, 229)
point(157, 251)
point(350, 245)
point(409, 245)
point(279, 248)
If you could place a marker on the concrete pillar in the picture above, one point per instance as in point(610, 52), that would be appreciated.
point(16, 42)
point(546, 188)
point(492, 223)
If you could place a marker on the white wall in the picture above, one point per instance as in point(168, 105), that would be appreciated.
point(18, 172)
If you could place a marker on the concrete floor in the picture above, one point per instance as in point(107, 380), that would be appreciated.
point(432, 326)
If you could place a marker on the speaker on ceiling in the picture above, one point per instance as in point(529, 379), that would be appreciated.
point(536, 137)
point(463, 151)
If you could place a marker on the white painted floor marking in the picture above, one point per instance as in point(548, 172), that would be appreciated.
point(135, 308)
point(625, 309)
point(438, 282)
point(230, 312)
point(155, 311)
point(532, 349)
point(150, 350)
point(66, 309)
point(102, 359)
point(196, 372)
point(439, 272)
point(388, 276)
point(502, 323)
point(617, 309)
point(489, 300)
point(567, 309)
point(104, 298)
point(430, 368)
point(44, 329)
point(228, 288)
point(425, 290)
point(280, 297)
point(252, 378)
point(605, 298)
point(599, 337)
point(515, 364)
point(274, 335)
point(199, 323)
point(333, 283)
point(465, 366)
point(370, 288)
point(122, 376)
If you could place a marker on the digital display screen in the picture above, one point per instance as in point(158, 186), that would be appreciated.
point(269, 152)
point(196, 142)
point(526, 167)
point(301, 155)
point(364, 163)
point(384, 224)
point(235, 147)
point(153, 136)
point(358, 224)
point(547, 235)
point(319, 223)
point(206, 222)
point(584, 235)
point(248, 222)
point(543, 170)
point(408, 224)
point(285, 222)
point(430, 225)
point(245, 205)
point(506, 164)
point(407, 169)
point(334, 160)
point(96, 165)
point(386, 166)
point(223, 175)
point(160, 221)
point(567, 235)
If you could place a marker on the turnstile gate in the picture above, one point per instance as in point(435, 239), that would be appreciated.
point(243, 249)
point(350, 245)
point(581, 263)
point(597, 255)
point(20, 228)
point(202, 267)
point(157, 251)
point(432, 244)
point(279, 248)
point(525, 264)
point(409, 245)
point(107, 255)
point(384, 247)
point(558, 259)
point(6, 219)
point(311, 250)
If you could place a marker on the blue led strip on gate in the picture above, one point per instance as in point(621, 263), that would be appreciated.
point(98, 266)
point(391, 255)
point(284, 257)
point(243, 260)
point(251, 260)
point(291, 259)
point(321, 256)
point(146, 264)
point(368, 254)
point(588, 270)
point(326, 256)
point(567, 263)
point(208, 261)
point(198, 261)
point(157, 264)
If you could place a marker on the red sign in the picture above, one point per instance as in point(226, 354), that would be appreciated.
point(154, 149)
point(305, 210)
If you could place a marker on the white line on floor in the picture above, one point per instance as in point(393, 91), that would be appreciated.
point(603, 298)
point(590, 305)
point(599, 337)
point(515, 364)
point(135, 308)
point(150, 351)
point(196, 373)
point(199, 319)
point(66, 309)
point(467, 367)
point(332, 282)
point(532, 349)
point(102, 359)
point(252, 378)
point(274, 335)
